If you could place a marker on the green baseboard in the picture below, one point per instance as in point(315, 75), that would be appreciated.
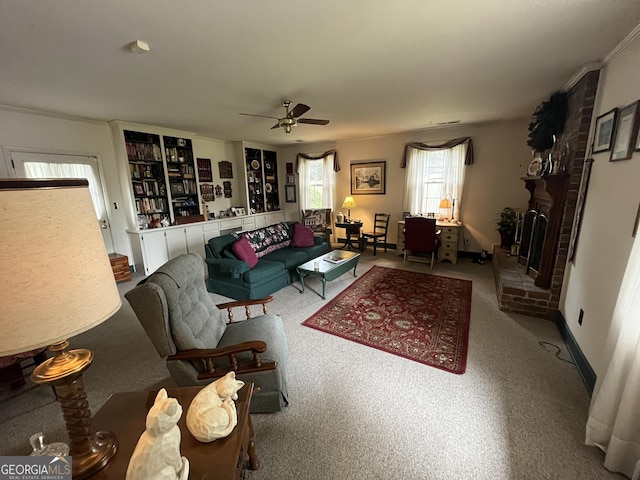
point(582, 364)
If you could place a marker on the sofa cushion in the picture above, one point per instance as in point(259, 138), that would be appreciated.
point(218, 244)
point(264, 271)
point(302, 236)
point(243, 250)
point(268, 239)
point(290, 257)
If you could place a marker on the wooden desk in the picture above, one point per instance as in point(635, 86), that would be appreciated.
point(449, 235)
point(351, 229)
point(226, 458)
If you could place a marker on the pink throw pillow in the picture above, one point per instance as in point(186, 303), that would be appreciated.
point(242, 249)
point(302, 236)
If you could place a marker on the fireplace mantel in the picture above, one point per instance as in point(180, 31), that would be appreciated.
point(548, 197)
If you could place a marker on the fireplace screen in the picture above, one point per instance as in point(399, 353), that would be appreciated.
point(537, 242)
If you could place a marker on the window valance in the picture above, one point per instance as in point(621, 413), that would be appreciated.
point(336, 165)
point(468, 160)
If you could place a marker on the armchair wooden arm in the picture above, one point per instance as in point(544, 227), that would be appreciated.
point(209, 354)
point(246, 304)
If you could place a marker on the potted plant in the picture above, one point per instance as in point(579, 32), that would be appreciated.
point(507, 225)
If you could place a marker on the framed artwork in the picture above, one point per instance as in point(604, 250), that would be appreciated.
point(637, 147)
point(290, 193)
point(226, 169)
point(577, 219)
point(605, 124)
point(368, 178)
point(289, 168)
point(177, 189)
point(626, 132)
point(204, 170)
point(290, 178)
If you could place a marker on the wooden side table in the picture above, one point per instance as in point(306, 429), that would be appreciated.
point(125, 414)
point(120, 267)
point(351, 229)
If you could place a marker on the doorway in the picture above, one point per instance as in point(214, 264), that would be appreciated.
point(51, 165)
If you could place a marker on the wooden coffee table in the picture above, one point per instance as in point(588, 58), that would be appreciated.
point(328, 267)
point(125, 414)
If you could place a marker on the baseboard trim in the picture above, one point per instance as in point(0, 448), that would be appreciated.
point(582, 364)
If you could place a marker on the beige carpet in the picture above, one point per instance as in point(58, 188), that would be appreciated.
point(359, 413)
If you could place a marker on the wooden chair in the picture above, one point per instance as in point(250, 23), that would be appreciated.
point(421, 236)
point(380, 227)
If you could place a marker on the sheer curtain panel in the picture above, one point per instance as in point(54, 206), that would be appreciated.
point(614, 416)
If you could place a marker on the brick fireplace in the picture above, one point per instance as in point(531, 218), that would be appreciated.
point(536, 291)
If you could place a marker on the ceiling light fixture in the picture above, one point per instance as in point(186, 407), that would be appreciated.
point(139, 47)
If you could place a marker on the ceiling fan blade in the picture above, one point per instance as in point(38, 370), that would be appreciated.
point(299, 109)
point(276, 126)
point(313, 121)
point(254, 115)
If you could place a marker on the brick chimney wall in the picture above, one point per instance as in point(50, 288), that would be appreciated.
point(516, 291)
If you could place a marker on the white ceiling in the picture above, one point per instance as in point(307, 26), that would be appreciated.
point(371, 67)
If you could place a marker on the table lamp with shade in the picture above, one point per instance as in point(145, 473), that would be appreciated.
point(349, 203)
point(445, 204)
point(56, 282)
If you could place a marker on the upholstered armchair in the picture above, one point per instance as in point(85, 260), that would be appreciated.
point(190, 331)
point(319, 220)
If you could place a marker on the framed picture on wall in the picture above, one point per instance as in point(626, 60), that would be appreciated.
point(368, 178)
point(626, 132)
point(605, 124)
point(290, 193)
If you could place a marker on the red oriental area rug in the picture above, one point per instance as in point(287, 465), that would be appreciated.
point(421, 317)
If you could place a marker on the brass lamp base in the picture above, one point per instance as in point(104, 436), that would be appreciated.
point(90, 451)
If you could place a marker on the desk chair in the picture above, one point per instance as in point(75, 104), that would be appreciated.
point(380, 227)
point(421, 236)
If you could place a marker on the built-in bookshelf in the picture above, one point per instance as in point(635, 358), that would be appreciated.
point(146, 170)
point(181, 172)
point(261, 168)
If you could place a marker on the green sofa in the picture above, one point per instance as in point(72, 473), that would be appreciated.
point(276, 267)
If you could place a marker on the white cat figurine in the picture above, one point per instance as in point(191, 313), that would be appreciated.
point(212, 413)
point(157, 454)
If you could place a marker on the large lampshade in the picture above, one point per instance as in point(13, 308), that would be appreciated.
point(56, 282)
point(56, 279)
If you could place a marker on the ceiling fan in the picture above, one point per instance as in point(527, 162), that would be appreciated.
point(291, 118)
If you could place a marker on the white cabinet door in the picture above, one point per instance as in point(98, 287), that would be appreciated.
point(176, 242)
point(154, 251)
point(195, 239)
point(260, 221)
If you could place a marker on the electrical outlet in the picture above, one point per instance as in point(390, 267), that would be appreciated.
point(580, 317)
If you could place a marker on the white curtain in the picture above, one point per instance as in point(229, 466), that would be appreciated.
point(614, 416)
point(327, 182)
point(68, 170)
point(416, 177)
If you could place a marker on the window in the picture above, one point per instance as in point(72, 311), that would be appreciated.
point(316, 181)
point(431, 175)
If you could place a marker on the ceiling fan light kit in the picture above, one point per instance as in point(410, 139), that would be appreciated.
point(291, 118)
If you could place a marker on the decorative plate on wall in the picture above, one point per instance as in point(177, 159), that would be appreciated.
point(255, 164)
point(534, 167)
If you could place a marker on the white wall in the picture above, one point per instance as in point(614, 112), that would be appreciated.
point(604, 244)
point(46, 133)
point(491, 183)
point(217, 151)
